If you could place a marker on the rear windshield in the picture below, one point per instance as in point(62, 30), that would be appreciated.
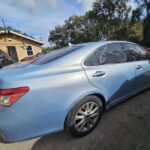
point(56, 54)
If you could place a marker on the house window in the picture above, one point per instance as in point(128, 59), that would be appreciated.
point(29, 50)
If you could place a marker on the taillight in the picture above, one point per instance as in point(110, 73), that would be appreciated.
point(9, 96)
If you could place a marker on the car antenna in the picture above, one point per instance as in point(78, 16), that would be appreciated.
point(70, 44)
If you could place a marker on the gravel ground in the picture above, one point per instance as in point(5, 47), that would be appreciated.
point(124, 127)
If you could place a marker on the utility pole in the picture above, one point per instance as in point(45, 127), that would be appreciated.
point(5, 28)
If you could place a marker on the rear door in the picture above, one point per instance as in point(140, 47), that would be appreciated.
point(110, 69)
point(141, 60)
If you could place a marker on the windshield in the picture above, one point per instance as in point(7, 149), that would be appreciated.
point(51, 56)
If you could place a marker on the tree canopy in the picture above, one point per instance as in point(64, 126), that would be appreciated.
point(108, 20)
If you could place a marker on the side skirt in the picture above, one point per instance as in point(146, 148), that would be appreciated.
point(111, 104)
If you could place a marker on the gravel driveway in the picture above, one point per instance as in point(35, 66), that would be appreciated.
point(124, 127)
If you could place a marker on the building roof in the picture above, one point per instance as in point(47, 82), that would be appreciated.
point(21, 35)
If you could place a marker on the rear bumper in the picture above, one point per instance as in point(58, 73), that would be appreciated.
point(15, 128)
point(8, 122)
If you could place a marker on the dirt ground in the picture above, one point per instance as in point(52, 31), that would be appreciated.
point(124, 127)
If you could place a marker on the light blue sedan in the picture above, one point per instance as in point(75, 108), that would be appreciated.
point(69, 88)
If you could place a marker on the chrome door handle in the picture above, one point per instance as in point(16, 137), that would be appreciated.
point(99, 74)
point(138, 67)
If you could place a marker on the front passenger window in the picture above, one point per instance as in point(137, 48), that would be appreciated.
point(137, 53)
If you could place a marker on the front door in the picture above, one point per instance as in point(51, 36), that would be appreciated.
point(12, 53)
point(141, 60)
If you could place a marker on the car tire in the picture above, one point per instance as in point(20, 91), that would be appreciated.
point(84, 116)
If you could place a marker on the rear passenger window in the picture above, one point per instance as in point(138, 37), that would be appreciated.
point(112, 53)
point(108, 54)
point(92, 60)
point(137, 53)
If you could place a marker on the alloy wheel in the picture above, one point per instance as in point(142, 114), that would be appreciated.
point(87, 116)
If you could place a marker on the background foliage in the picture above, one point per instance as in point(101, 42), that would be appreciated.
point(108, 20)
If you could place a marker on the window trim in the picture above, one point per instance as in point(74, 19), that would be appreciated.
point(27, 50)
point(122, 43)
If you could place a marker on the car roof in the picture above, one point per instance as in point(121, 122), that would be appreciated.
point(76, 57)
point(103, 42)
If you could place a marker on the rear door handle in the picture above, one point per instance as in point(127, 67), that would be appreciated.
point(99, 74)
point(138, 67)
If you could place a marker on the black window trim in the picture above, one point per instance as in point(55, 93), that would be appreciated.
point(122, 43)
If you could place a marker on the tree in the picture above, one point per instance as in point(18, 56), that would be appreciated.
point(109, 19)
point(2, 28)
point(146, 31)
point(77, 29)
point(136, 14)
point(48, 49)
point(58, 36)
point(109, 14)
point(145, 4)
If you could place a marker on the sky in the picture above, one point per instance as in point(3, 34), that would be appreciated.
point(38, 17)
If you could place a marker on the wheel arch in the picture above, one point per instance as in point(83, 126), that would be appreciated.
point(101, 98)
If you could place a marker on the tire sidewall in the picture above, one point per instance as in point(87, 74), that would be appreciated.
point(69, 123)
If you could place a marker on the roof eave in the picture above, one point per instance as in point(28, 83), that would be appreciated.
point(18, 34)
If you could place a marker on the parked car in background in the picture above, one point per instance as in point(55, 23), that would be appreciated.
point(5, 59)
point(30, 58)
point(69, 88)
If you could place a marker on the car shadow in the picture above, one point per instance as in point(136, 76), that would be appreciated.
point(122, 123)
point(118, 124)
point(57, 141)
point(62, 141)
